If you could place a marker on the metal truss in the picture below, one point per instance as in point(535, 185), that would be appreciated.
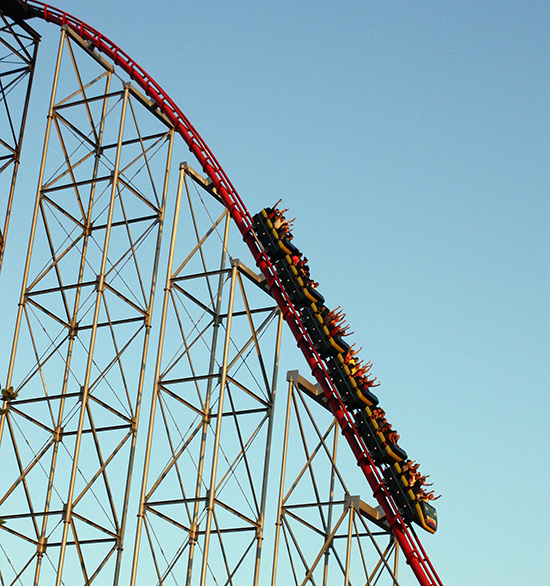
point(208, 446)
point(199, 473)
point(18, 51)
point(324, 534)
point(68, 428)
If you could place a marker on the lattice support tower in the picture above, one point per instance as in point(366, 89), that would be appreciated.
point(208, 446)
point(325, 534)
point(82, 332)
point(90, 493)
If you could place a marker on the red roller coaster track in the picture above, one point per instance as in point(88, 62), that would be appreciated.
point(405, 536)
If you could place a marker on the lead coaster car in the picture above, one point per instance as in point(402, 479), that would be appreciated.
point(380, 448)
point(266, 234)
point(274, 245)
point(410, 508)
point(264, 225)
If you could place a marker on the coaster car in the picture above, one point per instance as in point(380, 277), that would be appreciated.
point(378, 445)
point(355, 395)
point(300, 293)
point(324, 343)
point(266, 234)
point(410, 507)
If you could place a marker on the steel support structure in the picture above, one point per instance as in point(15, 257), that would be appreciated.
point(69, 442)
point(203, 499)
point(68, 429)
point(324, 534)
point(18, 52)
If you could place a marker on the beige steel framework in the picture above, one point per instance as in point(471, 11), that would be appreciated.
point(18, 51)
point(203, 499)
point(68, 429)
point(88, 493)
point(325, 534)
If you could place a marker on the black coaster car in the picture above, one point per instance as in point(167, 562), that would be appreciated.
point(380, 449)
point(410, 508)
point(355, 396)
point(299, 292)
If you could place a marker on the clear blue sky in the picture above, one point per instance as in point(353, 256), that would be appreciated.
point(411, 140)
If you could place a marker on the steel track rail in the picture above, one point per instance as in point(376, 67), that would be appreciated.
point(409, 542)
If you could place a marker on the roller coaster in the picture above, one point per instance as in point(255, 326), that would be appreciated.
point(346, 385)
point(341, 365)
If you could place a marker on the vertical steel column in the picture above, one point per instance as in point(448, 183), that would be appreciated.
point(86, 386)
point(350, 536)
point(284, 456)
point(147, 457)
point(216, 449)
point(268, 451)
point(331, 504)
point(395, 561)
point(73, 336)
point(145, 350)
point(206, 419)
